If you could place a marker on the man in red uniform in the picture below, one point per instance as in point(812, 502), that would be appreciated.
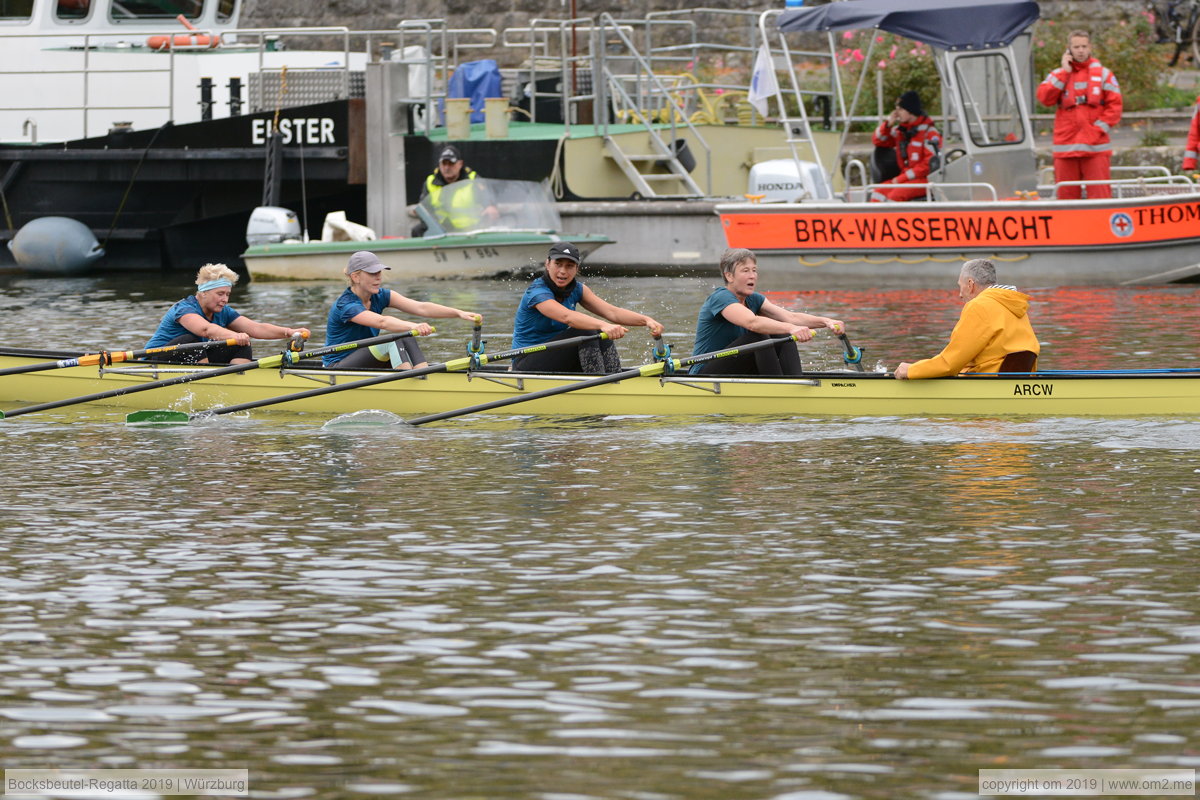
point(1089, 106)
point(917, 145)
point(1192, 150)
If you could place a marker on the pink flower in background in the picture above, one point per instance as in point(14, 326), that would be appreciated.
point(882, 64)
point(892, 52)
point(848, 35)
point(879, 40)
point(858, 54)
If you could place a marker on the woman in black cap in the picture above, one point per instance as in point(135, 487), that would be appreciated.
point(547, 313)
point(458, 209)
point(918, 146)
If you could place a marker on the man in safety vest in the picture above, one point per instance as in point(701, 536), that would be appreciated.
point(466, 205)
point(1192, 150)
point(917, 144)
point(1089, 104)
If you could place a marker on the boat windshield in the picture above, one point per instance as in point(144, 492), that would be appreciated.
point(991, 115)
point(135, 10)
point(491, 204)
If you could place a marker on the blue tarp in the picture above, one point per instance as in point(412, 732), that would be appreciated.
point(948, 24)
point(477, 80)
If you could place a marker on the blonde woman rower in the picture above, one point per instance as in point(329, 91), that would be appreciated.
point(358, 314)
point(206, 316)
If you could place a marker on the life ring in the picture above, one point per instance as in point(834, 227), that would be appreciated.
point(190, 41)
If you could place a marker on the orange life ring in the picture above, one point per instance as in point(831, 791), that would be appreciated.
point(192, 41)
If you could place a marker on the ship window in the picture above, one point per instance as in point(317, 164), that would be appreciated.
point(988, 94)
point(72, 9)
point(136, 10)
point(16, 9)
point(225, 10)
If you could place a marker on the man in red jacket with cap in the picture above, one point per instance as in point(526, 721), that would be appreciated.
point(1089, 104)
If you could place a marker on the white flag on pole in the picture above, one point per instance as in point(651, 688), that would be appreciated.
point(762, 82)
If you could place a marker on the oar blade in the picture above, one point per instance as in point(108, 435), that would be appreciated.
point(158, 416)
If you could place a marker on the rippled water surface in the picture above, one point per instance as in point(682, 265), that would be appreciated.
point(799, 608)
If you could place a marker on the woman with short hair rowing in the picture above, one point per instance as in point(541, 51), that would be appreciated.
point(735, 314)
point(206, 315)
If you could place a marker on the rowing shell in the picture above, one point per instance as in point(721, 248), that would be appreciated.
point(1084, 393)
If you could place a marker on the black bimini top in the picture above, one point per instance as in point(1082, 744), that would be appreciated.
point(948, 24)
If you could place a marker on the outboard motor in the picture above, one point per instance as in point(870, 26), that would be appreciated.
point(55, 246)
point(272, 225)
point(782, 180)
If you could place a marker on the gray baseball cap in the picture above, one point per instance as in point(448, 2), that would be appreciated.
point(366, 261)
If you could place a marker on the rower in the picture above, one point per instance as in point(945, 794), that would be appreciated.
point(547, 313)
point(993, 333)
point(207, 316)
point(358, 314)
point(735, 314)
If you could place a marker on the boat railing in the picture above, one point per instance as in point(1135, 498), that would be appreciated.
point(88, 74)
point(269, 40)
point(855, 168)
point(655, 85)
point(554, 52)
point(96, 85)
point(935, 192)
point(1147, 181)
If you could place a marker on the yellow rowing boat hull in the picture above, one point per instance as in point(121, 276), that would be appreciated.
point(829, 393)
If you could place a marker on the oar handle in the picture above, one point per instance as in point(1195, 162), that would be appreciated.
point(662, 350)
point(296, 341)
point(475, 346)
point(853, 354)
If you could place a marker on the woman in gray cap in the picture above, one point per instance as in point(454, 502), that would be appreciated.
point(547, 312)
point(358, 314)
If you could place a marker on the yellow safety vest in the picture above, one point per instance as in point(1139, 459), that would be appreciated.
point(463, 212)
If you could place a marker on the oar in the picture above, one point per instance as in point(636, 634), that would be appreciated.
point(455, 365)
point(644, 371)
point(853, 354)
point(262, 363)
point(106, 357)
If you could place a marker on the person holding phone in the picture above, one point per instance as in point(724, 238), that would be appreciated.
point(911, 133)
point(1089, 105)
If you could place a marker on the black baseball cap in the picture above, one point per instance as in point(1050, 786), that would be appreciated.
point(564, 250)
point(449, 153)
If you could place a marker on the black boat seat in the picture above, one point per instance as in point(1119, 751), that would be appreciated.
point(1020, 361)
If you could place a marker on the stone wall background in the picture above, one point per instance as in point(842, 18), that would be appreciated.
point(500, 14)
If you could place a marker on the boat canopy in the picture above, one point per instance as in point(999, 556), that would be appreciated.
point(948, 24)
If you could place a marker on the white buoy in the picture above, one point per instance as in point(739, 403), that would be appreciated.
point(55, 246)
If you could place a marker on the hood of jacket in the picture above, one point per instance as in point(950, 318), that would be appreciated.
point(1007, 297)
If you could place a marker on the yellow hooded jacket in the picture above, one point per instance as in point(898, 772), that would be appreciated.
point(993, 324)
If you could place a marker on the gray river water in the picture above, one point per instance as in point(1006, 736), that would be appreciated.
point(800, 609)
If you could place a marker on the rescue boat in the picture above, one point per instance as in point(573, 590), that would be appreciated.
point(986, 199)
